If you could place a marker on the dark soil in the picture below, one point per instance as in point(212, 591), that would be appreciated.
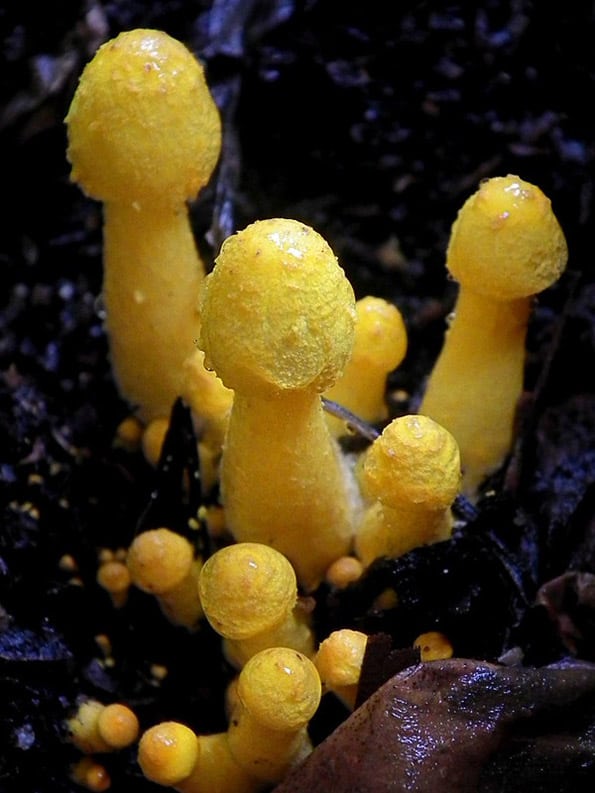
point(372, 122)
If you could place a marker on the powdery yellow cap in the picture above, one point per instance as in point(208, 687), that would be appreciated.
point(414, 461)
point(117, 725)
point(280, 688)
point(381, 335)
point(167, 753)
point(246, 588)
point(506, 242)
point(277, 310)
point(159, 559)
point(142, 126)
point(340, 656)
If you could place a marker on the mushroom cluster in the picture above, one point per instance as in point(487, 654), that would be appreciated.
point(254, 348)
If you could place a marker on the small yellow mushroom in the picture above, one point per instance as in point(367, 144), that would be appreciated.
point(162, 563)
point(344, 571)
point(339, 662)
point(278, 319)
point(380, 346)
point(249, 595)
point(167, 753)
point(505, 247)
point(412, 472)
point(96, 727)
point(113, 576)
point(171, 754)
point(433, 646)
point(90, 774)
point(144, 137)
point(278, 692)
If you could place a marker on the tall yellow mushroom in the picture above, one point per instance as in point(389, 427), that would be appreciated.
point(144, 136)
point(278, 319)
point(505, 246)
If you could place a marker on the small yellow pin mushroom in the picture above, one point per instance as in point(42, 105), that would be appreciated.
point(162, 563)
point(433, 646)
point(144, 137)
point(167, 753)
point(278, 319)
point(91, 775)
point(339, 662)
point(96, 727)
point(412, 472)
point(113, 576)
point(380, 346)
point(505, 247)
point(171, 754)
point(248, 592)
point(278, 692)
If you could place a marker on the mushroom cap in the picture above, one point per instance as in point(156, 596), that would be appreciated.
point(117, 725)
point(381, 335)
point(280, 688)
point(159, 559)
point(506, 242)
point(277, 310)
point(246, 588)
point(340, 656)
point(167, 752)
point(415, 461)
point(143, 126)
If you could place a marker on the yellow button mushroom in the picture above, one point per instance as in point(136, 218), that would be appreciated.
point(144, 136)
point(379, 347)
point(411, 473)
point(505, 247)
point(248, 592)
point(278, 319)
point(278, 692)
point(339, 660)
point(163, 563)
point(171, 754)
point(96, 727)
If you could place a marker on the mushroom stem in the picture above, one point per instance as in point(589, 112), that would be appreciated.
point(304, 466)
point(480, 368)
point(154, 309)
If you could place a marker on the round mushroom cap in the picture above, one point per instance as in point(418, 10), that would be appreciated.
point(506, 242)
point(381, 335)
point(143, 127)
point(159, 559)
point(415, 461)
point(167, 752)
point(246, 588)
point(280, 688)
point(277, 311)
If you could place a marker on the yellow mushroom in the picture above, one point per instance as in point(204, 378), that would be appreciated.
point(91, 775)
point(505, 247)
point(433, 646)
point(96, 727)
point(144, 136)
point(412, 474)
point(171, 754)
point(113, 576)
point(339, 660)
point(167, 753)
point(278, 320)
point(162, 563)
point(278, 692)
point(380, 346)
point(248, 592)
